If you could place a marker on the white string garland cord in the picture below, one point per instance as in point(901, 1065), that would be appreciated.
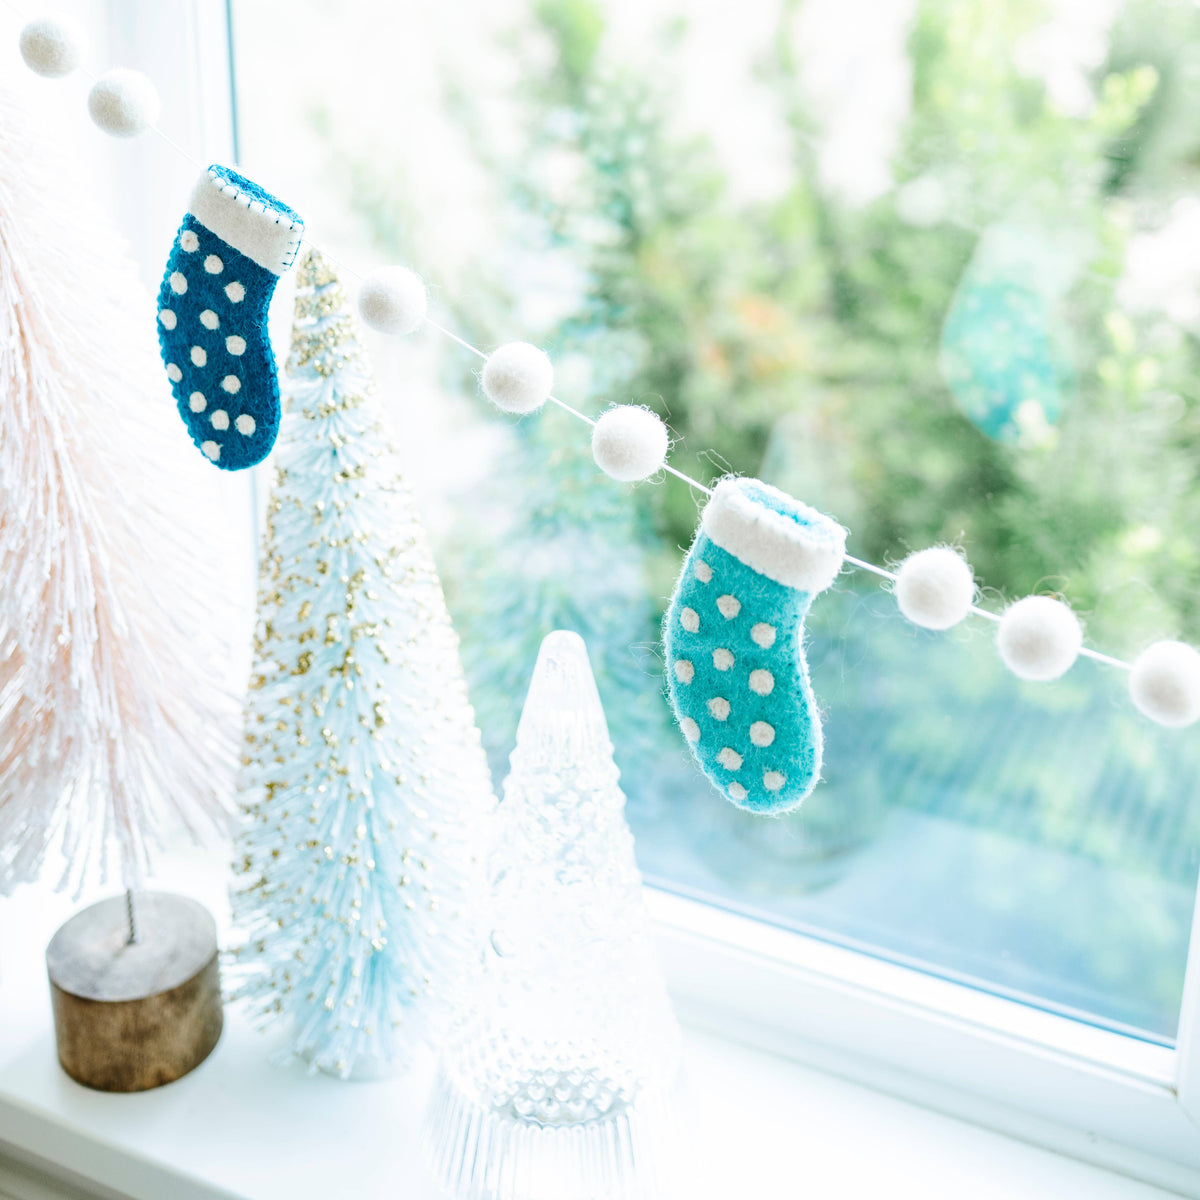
point(1038, 637)
point(928, 592)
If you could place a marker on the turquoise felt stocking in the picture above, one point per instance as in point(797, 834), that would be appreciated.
point(733, 633)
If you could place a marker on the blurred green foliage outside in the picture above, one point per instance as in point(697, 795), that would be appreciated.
point(952, 360)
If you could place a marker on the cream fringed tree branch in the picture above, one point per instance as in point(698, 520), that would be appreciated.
point(115, 728)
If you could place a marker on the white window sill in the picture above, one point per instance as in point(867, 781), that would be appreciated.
point(755, 1124)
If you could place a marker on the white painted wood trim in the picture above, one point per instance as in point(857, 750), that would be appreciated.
point(1052, 1081)
point(22, 1179)
point(1187, 1077)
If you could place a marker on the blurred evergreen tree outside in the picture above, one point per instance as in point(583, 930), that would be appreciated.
point(953, 360)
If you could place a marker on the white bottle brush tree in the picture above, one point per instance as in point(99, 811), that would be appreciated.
point(115, 730)
point(365, 786)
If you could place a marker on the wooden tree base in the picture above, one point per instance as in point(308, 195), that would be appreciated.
point(134, 1015)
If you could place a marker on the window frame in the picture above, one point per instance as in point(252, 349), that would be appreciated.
point(1108, 1098)
point(1097, 1095)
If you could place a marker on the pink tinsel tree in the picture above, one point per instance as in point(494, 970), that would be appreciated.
point(115, 727)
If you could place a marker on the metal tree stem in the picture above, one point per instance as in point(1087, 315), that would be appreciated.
point(133, 936)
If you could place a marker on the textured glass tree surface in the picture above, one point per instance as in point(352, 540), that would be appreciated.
point(555, 1079)
point(365, 788)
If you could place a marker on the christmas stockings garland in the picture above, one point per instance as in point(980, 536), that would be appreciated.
point(235, 242)
point(737, 675)
point(733, 634)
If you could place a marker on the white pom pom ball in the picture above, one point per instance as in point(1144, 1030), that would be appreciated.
point(52, 46)
point(123, 103)
point(1039, 638)
point(393, 300)
point(1165, 683)
point(518, 378)
point(629, 443)
point(935, 588)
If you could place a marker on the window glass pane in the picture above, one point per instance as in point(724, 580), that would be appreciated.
point(930, 265)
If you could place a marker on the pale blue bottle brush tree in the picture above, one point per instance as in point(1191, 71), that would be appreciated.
point(365, 788)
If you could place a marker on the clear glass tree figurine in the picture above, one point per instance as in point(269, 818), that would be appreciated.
point(555, 1081)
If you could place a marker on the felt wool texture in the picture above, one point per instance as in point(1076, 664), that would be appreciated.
point(52, 46)
point(518, 377)
point(1039, 638)
point(393, 300)
point(123, 103)
point(733, 634)
point(1164, 684)
point(630, 443)
point(935, 588)
point(767, 530)
point(234, 243)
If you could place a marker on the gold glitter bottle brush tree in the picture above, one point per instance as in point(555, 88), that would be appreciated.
point(365, 794)
point(116, 733)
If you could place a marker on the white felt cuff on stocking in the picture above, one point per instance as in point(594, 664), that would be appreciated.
point(262, 233)
point(775, 534)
